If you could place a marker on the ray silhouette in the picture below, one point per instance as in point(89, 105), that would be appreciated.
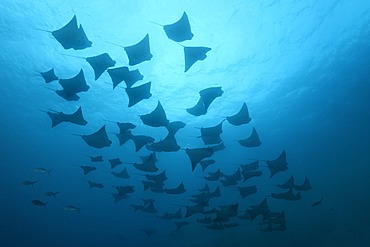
point(147, 165)
point(289, 195)
point(72, 36)
point(60, 117)
point(139, 93)
point(178, 190)
point(250, 166)
point(49, 76)
point(96, 158)
point(124, 74)
point(121, 174)
point(171, 216)
point(247, 191)
point(100, 63)
point(115, 162)
point(180, 30)
point(140, 141)
point(173, 127)
point(153, 186)
point(156, 118)
point(99, 139)
point(218, 147)
point(259, 209)
point(147, 208)
point(252, 141)
point(289, 184)
point(73, 86)
point(198, 154)
point(205, 163)
point(214, 176)
point(87, 169)
point(168, 144)
point(195, 209)
point(306, 186)
point(251, 174)
point(152, 156)
point(158, 178)
point(139, 52)
point(124, 134)
point(277, 165)
point(194, 54)
point(242, 117)
point(94, 184)
point(207, 96)
point(211, 135)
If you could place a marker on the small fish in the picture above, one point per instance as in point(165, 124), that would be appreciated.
point(28, 183)
point(317, 203)
point(51, 193)
point(42, 170)
point(39, 203)
point(72, 208)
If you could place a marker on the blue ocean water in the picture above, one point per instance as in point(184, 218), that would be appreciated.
point(302, 68)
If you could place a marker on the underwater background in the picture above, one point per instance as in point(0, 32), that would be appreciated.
point(302, 68)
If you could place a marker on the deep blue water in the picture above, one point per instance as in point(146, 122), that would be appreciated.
point(302, 68)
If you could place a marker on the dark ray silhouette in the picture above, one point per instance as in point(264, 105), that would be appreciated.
point(153, 186)
point(289, 195)
point(247, 191)
point(87, 169)
point(242, 117)
point(139, 93)
point(94, 184)
point(49, 76)
point(218, 147)
point(150, 208)
point(211, 135)
point(194, 54)
point(168, 144)
point(60, 117)
point(178, 190)
point(259, 209)
point(99, 139)
point(123, 127)
point(148, 165)
point(175, 126)
point(306, 186)
point(139, 52)
point(195, 209)
point(317, 203)
point(289, 184)
point(72, 36)
point(124, 134)
point(251, 174)
point(231, 179)
point(205, 220)
point(100, 63)
point(141, 140)
point(180, 30)
point(156, 118)
point(252, 141)
point(214, 176)
point(207, 96)
point(121, 174)
point(96, 158)
point(250, 166)
point(171, 216)
point(115, 162)
point(153, 156)
point(73, 86)
point(124, 74)
point(158, 178)
point(277, 165)
point(205, 163)
point(198, 154)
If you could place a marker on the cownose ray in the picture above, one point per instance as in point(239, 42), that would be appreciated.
point(242, 117)
point(138, 52)
point(231, 179)
point(49, 76)
point(250, 166)
point(115, 162)
point(39, 203)
point(130, 77)
point(96, 158)
point(217, 147)
point(139, 93)
point(207, 96)
point(71, 36)
point(227, 212)
point(178, 31)
point(158, 178)
point(149, 208)
point(252, 141)
point(168, 144)
point(251, 174)
point(205, 188)
point(211, 135)
point(124, 134)
point(214, 176)
point(247, 190)
point(198, 154)
point(29, 183)
point(205, 163)
point(121, 174)
point(73, 86)
point(289, 195)
point(147, 165)
point(195, 209)
point(94, 184)
point(170, 216)
point(60, 117)
point(148, 201)
point(178, 190)
point(153, 186)
point(306, 186)
point(277, 165)
point(173, 127)
point(289, 184)
point(123, 190)
point(259, 209)
point(98, 139)
point(194, 54)
point(153, 156)
point(140, 140)
point(99, 63)
point(87, 169)
point(156, 118)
